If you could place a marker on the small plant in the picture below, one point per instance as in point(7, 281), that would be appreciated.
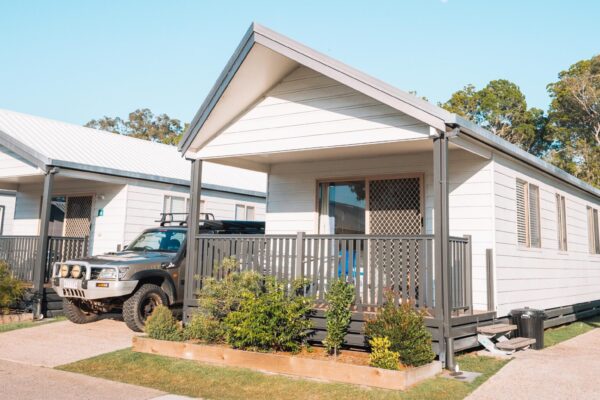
point(162, 325)
point(381, 355)
point(203, 327)
point(270, 320)
point(406, 331)
point(11, 289)
point(339, 299)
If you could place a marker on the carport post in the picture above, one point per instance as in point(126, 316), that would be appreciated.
point(441, 231)
point(39, 270)
point(192, 245)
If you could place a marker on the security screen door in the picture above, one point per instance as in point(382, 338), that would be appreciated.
point(395, 206)
point(78, 216)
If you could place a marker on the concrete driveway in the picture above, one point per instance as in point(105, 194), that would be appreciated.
point(28, 355)
point(569, 370)
point(63, 342)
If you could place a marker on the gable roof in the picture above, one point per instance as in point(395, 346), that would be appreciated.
point(49, 143)
point(296, 54)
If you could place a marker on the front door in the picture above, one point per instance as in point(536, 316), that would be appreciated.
point(78, 216)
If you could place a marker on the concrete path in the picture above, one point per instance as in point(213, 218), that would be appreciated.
point(28, 355)
point(63, 342)
point(23, 382)
point(569, 370)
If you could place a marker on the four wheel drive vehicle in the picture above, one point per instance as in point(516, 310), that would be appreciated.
point(147, 273)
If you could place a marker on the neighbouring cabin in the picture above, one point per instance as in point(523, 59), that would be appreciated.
point(373, 185)
point(70, 191)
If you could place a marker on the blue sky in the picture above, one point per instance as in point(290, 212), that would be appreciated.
point(78, 60)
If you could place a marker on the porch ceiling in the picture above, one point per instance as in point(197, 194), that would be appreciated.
point(263, 161)
point(64, 175)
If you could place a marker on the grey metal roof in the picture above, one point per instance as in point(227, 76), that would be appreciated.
point(48, 143)
point(403, 101)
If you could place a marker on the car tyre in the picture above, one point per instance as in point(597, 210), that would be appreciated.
point(77, 312)
point(141, 305)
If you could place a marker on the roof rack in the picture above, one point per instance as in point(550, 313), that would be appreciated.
point(181, 218)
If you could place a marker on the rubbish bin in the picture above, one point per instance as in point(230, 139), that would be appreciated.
point(530, 324)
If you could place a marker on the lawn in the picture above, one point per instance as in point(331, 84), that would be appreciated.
point(560, 334)
point(194, 379)
point(27, 324)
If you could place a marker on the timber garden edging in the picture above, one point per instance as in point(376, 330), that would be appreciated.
point(284, 364)
point(20, 317)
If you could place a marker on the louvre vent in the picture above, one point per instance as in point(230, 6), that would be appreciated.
point(521, 213)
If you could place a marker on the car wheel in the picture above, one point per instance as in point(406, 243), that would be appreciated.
point(141, 304)
point(78, 312)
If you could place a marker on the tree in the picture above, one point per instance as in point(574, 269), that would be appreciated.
point(143, 124)
point(574, 120)
point(501, 107)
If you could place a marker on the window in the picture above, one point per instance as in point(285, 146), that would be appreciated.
point(244, 213)
point(377, 206)
point(342, 207)
point(528, 214)
point(160, 240)
point(593, 234)
point(249, 213)
point(561, 220)
point(176, 204)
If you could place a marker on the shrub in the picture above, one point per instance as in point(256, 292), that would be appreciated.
point(11, 289)
point(269, 320)
point(203, 327)
point(162, 325)
point(339, 299)
point(218, 298)
point(381, 355)
point(404, 328)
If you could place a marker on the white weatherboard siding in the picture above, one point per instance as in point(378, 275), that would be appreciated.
point(145, 202)
point(308, 110)
point(292, 197)
point(107, 230)
point(542, 277)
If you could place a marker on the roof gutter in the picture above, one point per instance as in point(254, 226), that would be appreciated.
point(486, 137)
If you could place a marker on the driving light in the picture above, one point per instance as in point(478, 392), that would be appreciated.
point(76, 271)
point(107, 274)
point(64, 271)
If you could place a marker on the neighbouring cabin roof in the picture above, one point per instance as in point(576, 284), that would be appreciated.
point(264, 57)
point(49, 143)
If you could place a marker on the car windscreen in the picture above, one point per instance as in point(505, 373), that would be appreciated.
point(158, 240)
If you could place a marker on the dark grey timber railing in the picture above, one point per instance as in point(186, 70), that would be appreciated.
point(400, 265)
point(20, 253)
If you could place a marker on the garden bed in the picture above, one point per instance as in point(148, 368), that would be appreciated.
point(15, 317)
point(306, 366)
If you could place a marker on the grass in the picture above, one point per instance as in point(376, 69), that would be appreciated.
point(560, 334)
point(194, 379)
point(27, 324)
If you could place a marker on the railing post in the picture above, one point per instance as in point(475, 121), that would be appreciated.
point(193, 229)
point(489, 266)
point(299, 273)
point(469, 273)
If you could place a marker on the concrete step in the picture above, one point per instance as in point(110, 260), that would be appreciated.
point(514, 344)
point(496, 329)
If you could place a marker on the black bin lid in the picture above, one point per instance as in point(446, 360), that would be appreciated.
point(532, 312)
